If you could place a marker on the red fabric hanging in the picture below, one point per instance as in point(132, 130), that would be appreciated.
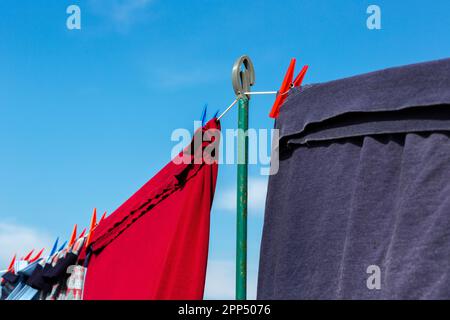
point(155, 245)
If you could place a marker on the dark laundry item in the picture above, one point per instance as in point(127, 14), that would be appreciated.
point(7, 288)
point(9, 282)
point(363, 189)
point(28, 270)
point(59, 271)
point(37, 280)
point(12, 280)
point(160, 235)
point(10, 277)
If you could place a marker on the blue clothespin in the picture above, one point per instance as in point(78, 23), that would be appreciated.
point(63, 246)
point(53, 251)
point(55, 245)
point(203, 117)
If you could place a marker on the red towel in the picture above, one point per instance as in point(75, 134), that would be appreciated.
point(155, 245)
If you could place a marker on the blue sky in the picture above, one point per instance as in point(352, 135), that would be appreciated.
point(86, 115)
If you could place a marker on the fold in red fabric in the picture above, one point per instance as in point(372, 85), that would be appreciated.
point(155, 245)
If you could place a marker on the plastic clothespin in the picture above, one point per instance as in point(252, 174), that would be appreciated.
point(63, 246)
point(11, 265)
point(55, 246)
point(73, 236)
point(93, 219)
point(28, 255)
point(37, 256)
point(286, 85)
point(203, 116)
point(299, 79)
point(91, 227)
point(82, 234)
point(103, 217)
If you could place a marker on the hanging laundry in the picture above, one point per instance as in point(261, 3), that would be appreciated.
point(63, 268)
point(36, 279)
point(69, 283)
point(75, 283)
point(16, 279)
point(155, 245)
point(33, 278)
point(363, 189)
point(9, 282)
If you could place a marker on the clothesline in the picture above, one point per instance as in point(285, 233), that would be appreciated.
point(248, 93)
point(261, 92)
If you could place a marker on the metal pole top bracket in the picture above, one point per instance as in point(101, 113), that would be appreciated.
point(243, 76)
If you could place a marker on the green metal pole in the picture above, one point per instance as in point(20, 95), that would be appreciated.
point(241, 228)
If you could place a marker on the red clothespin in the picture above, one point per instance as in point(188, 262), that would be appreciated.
point(82, 233)
point(91, 227)
point(299, 79)
point(286, 86)
point(73, 236)
point(28, 255)
point(103, 217)
point(37, 256)
point(11, 265)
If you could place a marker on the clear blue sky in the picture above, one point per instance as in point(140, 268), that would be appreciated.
point(86, 116)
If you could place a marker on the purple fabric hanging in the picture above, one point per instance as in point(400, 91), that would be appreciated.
point(363, 183)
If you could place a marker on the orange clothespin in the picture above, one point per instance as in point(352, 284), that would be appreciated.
point(11, 265)
point(93, 219)
point(91, 227)
point(28, 255)
point(73, 236)
point(286, 85)
point(37, 256)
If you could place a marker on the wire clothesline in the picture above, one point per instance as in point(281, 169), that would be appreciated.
point(227, 109)
point(261, 92)
point(248, 93)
